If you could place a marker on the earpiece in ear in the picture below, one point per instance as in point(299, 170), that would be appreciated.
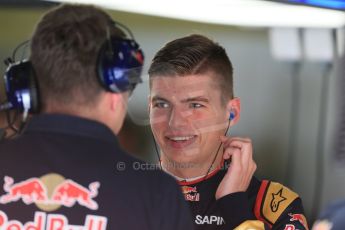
point(232, 116)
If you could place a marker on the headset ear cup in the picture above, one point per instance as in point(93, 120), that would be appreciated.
point(34, 91)
point(21, 86)
point(27, 71)
point(119, 65)
point(102, 57)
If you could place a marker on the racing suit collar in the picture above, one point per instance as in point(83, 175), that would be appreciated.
point(70, 125)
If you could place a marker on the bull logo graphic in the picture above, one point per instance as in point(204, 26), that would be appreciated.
point(30, 191)
point(66, 193)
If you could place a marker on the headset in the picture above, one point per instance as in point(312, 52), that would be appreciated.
point(21, 87)
point(118, 69)
point(120, 62)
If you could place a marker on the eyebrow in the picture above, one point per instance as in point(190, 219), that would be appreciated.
point(198, 98)
point(190, 99)
point(158, 98)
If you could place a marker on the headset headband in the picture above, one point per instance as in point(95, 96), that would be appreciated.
point(118, 68)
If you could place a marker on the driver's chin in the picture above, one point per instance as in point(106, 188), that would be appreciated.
point(185, 160)
point(184, 155)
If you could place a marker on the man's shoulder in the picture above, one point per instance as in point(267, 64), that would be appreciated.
point(273, 199)
point(10, 146)
point(272, 189)
point(138, 169)
point(124, 166)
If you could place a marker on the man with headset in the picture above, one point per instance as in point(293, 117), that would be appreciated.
point(191, 108)
point(66, 170)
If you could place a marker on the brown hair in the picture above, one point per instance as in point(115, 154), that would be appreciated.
point(64, 50)
point(192, 55)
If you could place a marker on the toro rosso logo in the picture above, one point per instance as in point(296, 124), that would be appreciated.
point(66, 193)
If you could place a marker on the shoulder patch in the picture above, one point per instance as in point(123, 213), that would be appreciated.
point(272, 200)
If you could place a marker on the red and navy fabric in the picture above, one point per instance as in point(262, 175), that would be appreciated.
point(66, 172)
point(265, 205)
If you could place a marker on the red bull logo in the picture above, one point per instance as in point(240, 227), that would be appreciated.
point(190, 193)
point(43, 221)
point(188, 189)
point(30, 191)
point(33, 190)
point(69, 192)
point(289, 227)
point(299, 217)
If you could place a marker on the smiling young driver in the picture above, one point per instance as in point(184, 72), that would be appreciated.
point(191, 108)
